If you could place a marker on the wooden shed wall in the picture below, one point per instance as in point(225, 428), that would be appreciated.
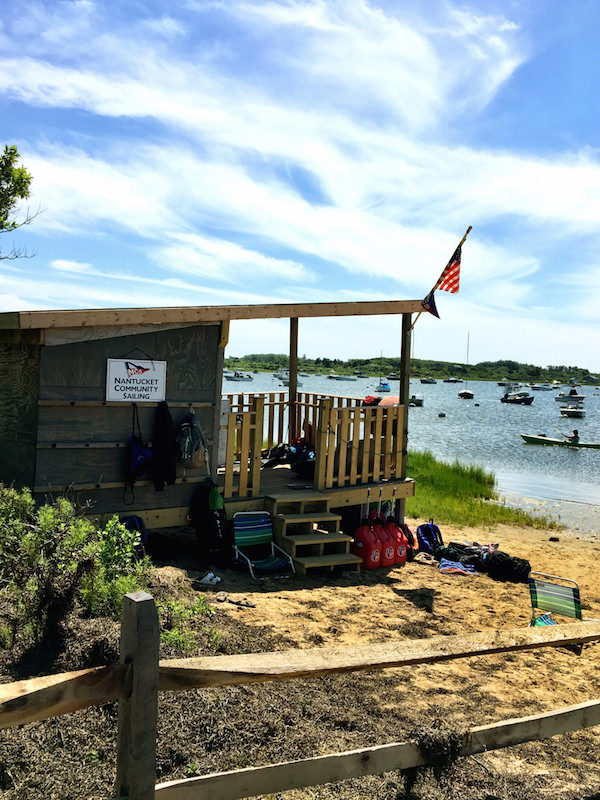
point(19, 388)
point(80, 440)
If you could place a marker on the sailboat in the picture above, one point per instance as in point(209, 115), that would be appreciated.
point(384, 386)
point(466, 394)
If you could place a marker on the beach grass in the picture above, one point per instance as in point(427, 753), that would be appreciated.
point(456, 494)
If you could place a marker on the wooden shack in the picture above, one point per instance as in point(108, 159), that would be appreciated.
point(64, 426)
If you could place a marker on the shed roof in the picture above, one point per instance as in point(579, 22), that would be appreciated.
point(85, 318)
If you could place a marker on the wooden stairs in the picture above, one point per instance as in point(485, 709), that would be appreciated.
point(305, 528)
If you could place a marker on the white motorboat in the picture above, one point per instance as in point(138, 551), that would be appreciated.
point(572, 411)
point(570, 397)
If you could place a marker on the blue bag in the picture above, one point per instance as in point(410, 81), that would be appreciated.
point(429, 537)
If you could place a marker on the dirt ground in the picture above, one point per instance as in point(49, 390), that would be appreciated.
point(212, 730)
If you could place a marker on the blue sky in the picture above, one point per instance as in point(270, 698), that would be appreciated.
point(245, 151)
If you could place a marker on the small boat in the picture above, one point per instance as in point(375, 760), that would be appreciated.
point(541, 438)
point(541, 387)
point(239, 376)
point(334, 377)
point(383, 387)
point(393, 376)
point(504, 382)
point(416, 400)
point(570, 396)
point(517, 398)
point(453, 380)
point(428, 380)
point(571, 411)
point(466, 394)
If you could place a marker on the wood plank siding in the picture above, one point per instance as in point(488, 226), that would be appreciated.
point(70, 439)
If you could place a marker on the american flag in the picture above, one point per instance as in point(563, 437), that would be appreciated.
point(448, 280)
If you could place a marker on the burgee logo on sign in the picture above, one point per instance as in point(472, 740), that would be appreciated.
point(135, 381)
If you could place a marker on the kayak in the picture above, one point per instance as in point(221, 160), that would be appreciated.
point(541, 439)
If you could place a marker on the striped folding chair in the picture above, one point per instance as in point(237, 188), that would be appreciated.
point(254, 545)
point(551, 594)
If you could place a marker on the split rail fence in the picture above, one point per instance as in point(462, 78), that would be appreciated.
point(137, 679)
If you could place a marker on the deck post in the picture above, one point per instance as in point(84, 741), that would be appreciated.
point(293, 386)
point(404, 396)
point(138, 710)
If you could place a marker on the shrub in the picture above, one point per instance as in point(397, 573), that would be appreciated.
point(52, 559)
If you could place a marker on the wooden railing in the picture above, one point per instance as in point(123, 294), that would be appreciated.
point(137, 679)
point(354, 444)
point(243, 450)
point(357, 445)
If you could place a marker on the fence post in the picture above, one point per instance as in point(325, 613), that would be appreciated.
point(136, 748)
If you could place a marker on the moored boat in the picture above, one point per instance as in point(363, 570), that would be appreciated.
point(570, 396)
point(416, 400)
point(239, 376)
point(541, 438)
point(571, 411)
point(428, 380)
point(383, 387)
point(465, 394)
point(517, 398)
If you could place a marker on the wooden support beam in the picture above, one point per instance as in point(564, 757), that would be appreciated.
point(193, 673)
point(138, 710)
point(299, 774)
point(293, 384)
point(404, 397)
point(91, 317)
point(224, 335)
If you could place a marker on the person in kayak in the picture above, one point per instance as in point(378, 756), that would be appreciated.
point(572, 437)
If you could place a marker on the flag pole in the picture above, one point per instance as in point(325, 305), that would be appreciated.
point(462, 241)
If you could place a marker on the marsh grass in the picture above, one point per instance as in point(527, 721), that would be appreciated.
point(456, 494)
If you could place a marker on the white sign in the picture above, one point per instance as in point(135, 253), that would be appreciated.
point(135, 381)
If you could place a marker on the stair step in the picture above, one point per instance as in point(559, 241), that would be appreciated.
point(319, 537)
point(317, 516)
point(330, 560)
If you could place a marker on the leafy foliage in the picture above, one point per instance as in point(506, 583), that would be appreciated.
point(53, 560)
point(14, 187)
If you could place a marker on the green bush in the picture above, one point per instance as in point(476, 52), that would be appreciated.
point(53, 559)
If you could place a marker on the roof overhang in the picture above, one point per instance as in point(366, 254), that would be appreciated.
point(87, 318)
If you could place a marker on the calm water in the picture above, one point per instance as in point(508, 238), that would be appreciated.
point(485, 432)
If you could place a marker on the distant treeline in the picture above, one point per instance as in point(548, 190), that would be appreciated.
point(420, 368)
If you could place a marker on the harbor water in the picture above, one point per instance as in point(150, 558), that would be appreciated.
point(560, 483)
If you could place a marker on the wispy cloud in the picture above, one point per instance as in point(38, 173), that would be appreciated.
point(262, 149)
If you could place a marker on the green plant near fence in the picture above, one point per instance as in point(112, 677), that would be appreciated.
point(53, 559)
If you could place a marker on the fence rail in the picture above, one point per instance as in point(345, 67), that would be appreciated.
point(136, 681)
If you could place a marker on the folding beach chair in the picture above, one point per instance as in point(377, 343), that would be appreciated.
point(551, 594)
point(253, 543)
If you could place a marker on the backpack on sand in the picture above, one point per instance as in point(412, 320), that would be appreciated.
point(429, 537)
